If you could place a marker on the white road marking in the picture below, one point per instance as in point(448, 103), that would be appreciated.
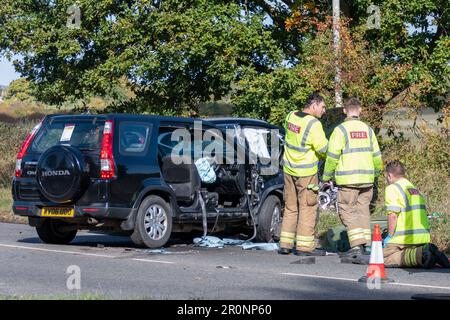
point(157, 261)
point(315, 276)
point(418, 285)
point(356, 280)
point(78, 253)
point(57, 251)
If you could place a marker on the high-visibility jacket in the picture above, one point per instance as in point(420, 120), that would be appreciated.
point(305, 142)
point(353, 155)
point(403, 199)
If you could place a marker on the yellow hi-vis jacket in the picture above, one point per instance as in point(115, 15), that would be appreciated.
point(403, 199)
point(305, 142)
point(353, 155)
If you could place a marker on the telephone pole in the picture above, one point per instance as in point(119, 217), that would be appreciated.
point(337, 52)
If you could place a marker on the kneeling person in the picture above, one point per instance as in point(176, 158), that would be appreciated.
point(408, 242)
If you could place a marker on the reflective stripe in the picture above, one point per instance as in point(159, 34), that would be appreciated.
point(351, 150)
point(410, 257)
point(368, 234)
point(408, 208)
point(341, 127)
point(350, 172)
point(416, 207)
point(408, 232)
point(394, 208)
point(306, 244)
point(356, 237)
point(370, 137)
point(323, 149)
point(300, 166)
point(299, 149)
point(308, 128)
point(305, 238)
point(405, 197)
point(286, 243)
point(347, 148)
point(332, 155)
point(356, 230)
point(376, 154)
point(328, 174)
point(288, 118)
point(289, 235)
point(355, 234)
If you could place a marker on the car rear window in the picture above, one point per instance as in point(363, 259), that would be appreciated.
point(83, 134)
point(134, 137)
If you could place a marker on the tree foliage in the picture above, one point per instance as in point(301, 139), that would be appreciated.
point(19, 90)
point(267, 55)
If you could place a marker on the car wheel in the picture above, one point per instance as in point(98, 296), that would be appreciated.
point(153, 225)
point(269, 220)
point(52, 231)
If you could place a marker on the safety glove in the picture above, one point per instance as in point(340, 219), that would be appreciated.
point(386, 240)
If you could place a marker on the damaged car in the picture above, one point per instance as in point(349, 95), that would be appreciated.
point(147, 177)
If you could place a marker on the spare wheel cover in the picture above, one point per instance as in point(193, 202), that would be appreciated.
point(60, 173)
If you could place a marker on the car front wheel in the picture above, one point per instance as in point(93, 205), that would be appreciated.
point(269, 220)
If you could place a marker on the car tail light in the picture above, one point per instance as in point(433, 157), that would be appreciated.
point(23, 149)
point(106, 155)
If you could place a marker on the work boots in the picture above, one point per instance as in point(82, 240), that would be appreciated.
point(284, 251)
point(356, 251)
point(356, 255)
point(440, 257)
point(428, 258)
point(313, 253)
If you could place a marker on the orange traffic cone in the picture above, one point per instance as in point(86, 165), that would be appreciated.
point(376, 271)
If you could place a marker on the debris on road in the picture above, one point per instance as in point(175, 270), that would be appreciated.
point(271, 246)
point(308, 260)
point(215, 242)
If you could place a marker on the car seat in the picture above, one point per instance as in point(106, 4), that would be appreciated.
point(182, 177)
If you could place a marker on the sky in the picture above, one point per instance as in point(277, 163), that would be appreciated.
point(7, 72)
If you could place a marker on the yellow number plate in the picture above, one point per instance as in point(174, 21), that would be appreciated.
point(58, 212)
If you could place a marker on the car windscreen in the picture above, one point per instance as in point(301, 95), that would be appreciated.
point(83, 134)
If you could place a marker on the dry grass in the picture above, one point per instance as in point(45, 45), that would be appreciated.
point(6, 214)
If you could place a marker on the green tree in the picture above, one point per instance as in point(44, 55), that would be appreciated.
point(19, 90)
point(175, 54)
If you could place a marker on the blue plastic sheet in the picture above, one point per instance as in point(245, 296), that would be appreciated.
point(215, 242)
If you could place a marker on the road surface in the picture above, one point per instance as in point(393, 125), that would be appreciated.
point(112, 267)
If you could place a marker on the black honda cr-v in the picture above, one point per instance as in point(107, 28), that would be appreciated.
point(146, 176)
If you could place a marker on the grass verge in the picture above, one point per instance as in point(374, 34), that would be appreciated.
point(6, 214)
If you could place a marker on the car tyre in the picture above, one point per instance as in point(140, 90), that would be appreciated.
point(153, 225)
point(50, 232)
point(269, 220)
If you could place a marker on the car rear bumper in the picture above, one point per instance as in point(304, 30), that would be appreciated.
point(98, 211)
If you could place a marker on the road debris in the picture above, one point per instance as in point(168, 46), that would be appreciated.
point(308, 260)
point(215, 242)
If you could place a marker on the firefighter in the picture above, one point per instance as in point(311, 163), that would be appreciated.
point(305, 142)
point(354, 161)
point(408, 241)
